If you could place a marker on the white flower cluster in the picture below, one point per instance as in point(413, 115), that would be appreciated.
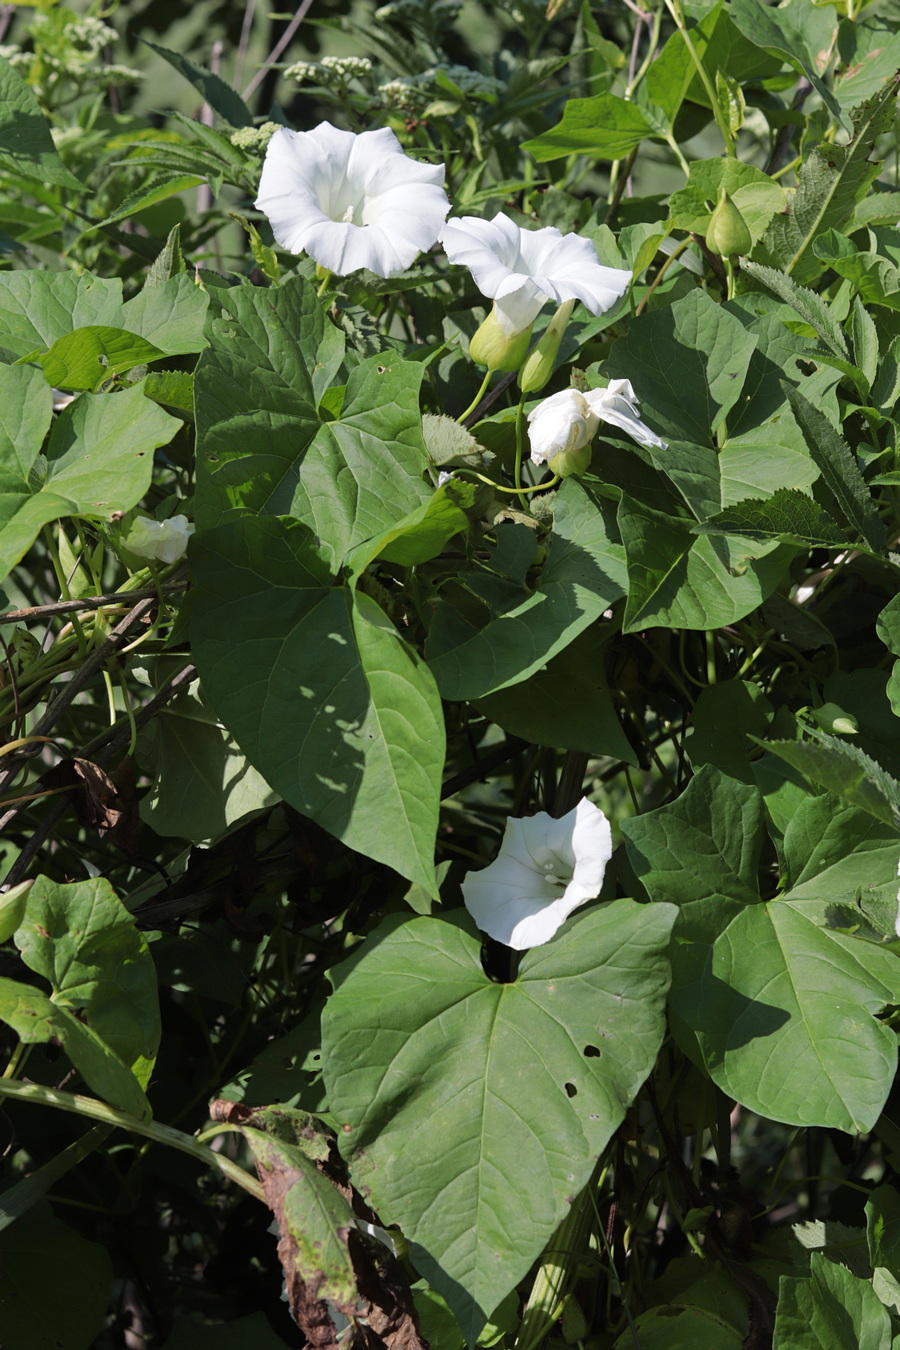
point(415, 91)
point(441, 12)
point(331, 70)
point(14, 55)
point(91, 34)
point(253, 138)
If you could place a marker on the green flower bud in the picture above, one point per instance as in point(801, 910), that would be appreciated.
point(727, 233)
point(832, 718)
point(539, 365)
point(569, 462)
point(497, 350)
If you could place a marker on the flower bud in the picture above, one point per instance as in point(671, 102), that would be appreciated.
point(560, 430)
point(539, 364)
point(495, 349)
point(832, 718)
point(727, 233)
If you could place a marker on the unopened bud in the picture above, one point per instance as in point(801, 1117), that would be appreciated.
point(497, 350)
point(727, 233)
point(539, 364)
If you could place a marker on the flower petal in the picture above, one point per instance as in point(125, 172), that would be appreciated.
point(502, 257)
point(617, 405)
point(351, 201)
point(544, 870)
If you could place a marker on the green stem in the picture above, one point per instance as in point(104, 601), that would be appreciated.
point(477, 399)
point(674, 8)
point(520, 445)
point(513, 492)
point(150, 1129)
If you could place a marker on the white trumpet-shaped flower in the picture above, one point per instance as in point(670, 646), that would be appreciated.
point(351, 201)
point(545, 869)
point(567, 422)
point(521, 269)
point(166, 540)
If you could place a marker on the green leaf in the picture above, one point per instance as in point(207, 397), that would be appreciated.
point(838, 470)
point(37, 308)
point(778, 31)
point(20, 1197)
point(774, 1006)
point(26, 412)
point(159, 190)
point(170, 315)
point(875, 278)
point(758, 471)
point(832, 849)
point(99, 461)
point(886, 388)
point(844, 768)
point(423, 533)
point(605, 126)
point(788, 515)
point(169, 262)
point(687, 363)
point(707, 842)
point(200, 782)
point(454, 1054)
point(320, 692)
point(26, 145)
point(36, 1020)
point(677, 580)
point(566, 703)
point(868, 54)
point(82, 1285)
point(755, 195)
point(808, 304)
point(725, 716)
point(865, 341)
point(832, 1310)
point(883, 1229)
point(219, 95)
point(272, 354)
point(84, 358)
point(583, 576)
point(363, 473)
point(830, 183)
point(82, 939)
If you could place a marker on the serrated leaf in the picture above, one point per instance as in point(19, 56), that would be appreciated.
point(838, 469)
point(169, 261)
point(830, 183)
point(157, 191)
point(865, 341)
point(219, 95)
point(845, 769)
point(808, 304)
point(788, 515)
point(491, 1062)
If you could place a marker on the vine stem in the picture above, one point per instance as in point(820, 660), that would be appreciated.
point(520, 446)
point(477, 399)
point(93, 1109)
point(674, 8)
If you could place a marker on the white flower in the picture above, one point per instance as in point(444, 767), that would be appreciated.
point(544, 870)
point(566, 422)
point(522, 269)
point(351, 201)
point(166, 540)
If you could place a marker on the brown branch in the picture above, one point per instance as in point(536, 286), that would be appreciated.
point(37, 613)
